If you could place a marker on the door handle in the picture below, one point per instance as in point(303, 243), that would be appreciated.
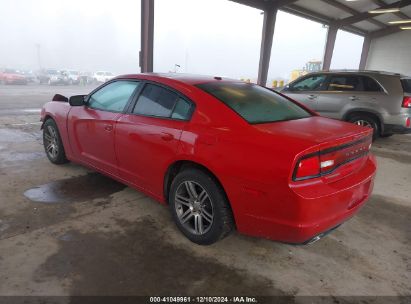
point(312, 96)
point(108, 128)
point(167, 136)
point(353, 98)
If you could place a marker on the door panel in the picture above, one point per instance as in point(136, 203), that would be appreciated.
point(91, 133)
point(92, 127)
point(309, 99)
point(145, 146)
point(307, 89)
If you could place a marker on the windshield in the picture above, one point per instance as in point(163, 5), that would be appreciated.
point(109, 74)
point(73, 72)
point(52, 72)
point(406, 85)
point(254, 103)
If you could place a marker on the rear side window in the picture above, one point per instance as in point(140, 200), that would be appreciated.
point(182, 110)
point(370, 85)
point(344, 83)
point(160, 102)
point(406, 85)
point(254, 103)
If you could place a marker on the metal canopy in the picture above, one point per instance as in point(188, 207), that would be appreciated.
point(351, 16)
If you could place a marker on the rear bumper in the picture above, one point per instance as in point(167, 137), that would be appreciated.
point(397, 123)
point(396, 129)
point(313, 209)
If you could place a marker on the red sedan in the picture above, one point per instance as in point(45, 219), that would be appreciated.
point(222, 154)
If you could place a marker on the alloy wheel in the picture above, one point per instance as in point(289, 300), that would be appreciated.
point(363, 123)
point(194, 207)
point(51, 142)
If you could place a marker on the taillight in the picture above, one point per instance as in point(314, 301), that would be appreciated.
point(308, 167)
point(406, 102)
point(326, 161)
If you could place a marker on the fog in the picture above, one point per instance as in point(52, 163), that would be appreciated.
point(215, 37)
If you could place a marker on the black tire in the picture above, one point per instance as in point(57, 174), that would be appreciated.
point(386, 135)
point(371, 121)
point(222, 218)
point(53, 146)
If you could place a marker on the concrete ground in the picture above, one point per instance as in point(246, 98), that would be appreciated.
point(93, 236)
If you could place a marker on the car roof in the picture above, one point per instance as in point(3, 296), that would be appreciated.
point(189, 79)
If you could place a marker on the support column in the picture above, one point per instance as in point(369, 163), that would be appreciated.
point(329, 46)
point(365, 52)
point(147, 35)
point(266, 44)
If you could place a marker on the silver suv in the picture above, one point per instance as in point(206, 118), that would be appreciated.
point(369, 98)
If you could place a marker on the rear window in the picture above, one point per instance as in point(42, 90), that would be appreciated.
point(406, 84)
point(254, 103)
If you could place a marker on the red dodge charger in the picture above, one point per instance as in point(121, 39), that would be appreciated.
point(223, 154)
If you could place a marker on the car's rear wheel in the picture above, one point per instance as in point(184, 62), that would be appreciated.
point(199, 207)
point(366, 121)
point(52, 143)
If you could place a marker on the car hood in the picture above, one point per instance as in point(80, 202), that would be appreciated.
point(17, 76)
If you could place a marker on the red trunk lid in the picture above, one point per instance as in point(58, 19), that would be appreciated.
point(341, 145)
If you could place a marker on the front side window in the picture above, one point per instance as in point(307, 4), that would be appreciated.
point(344, 83)
point(114, 96)
point(312, 83)
point(254, 103)
point(160, 102)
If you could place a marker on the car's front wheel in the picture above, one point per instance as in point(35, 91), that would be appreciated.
point(52, 143)
point(199, 207)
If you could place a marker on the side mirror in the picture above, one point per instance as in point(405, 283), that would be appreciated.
point(77, 100)
point(59, 97)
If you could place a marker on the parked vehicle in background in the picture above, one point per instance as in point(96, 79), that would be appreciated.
point(86, 78)
point(44, 75)
point(373, 99)
point(222, 153)
point(12, 76)
point(72, 76)
point(102, 76)
point(29, 74)
point(61, 77)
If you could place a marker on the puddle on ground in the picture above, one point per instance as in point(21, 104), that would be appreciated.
point(75, 189)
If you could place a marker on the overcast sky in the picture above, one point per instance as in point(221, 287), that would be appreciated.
point(216, 37)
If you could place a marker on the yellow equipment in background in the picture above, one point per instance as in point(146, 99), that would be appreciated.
point(310, 66)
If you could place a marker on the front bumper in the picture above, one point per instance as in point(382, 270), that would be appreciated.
point(16, 81)
point(313, 209)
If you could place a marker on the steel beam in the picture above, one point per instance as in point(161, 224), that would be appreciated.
point(329, 47)
point(270, 16)
point(364, 53)
point(352, 11)
point(366, 15)
point(147, 36)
